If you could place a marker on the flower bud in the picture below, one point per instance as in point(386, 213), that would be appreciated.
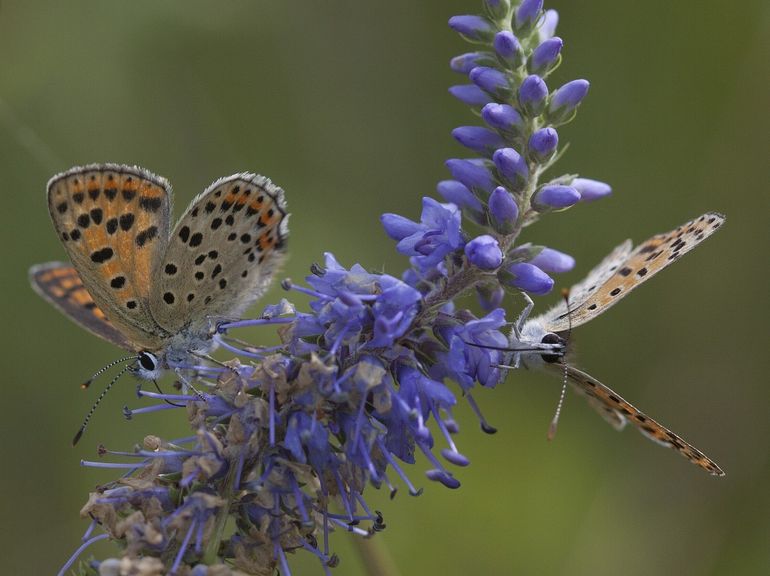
point(528, 13)
point(511, 167)
point(474, 177)
point(547, 28)
point(545, 56)
point(543, 143)
point(491, 81)
point(555, 196)
point(474, 28)
point(527, 277)
point(502, 117)
point(532, 94)
point(566, 99)
point(470, 94)
point(503, 211)
point(508, 48)
point(484, 252)
point(590, 190)
point(464, 63)
point(481, 140)
point(550, 260)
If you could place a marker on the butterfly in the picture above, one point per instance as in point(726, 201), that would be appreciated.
point(625, 268)
point(154, 291)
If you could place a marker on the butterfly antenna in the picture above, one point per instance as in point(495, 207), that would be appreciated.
point(77, 437)
point(555, 421)
point(102, 370)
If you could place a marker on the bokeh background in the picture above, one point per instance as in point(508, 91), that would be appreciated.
point(345, 105)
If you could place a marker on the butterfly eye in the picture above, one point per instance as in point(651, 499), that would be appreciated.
point(552, 338)
point(148, 361)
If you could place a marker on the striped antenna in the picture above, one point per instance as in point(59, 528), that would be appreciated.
point(102, 370)
point(77, 437)
point(555, 421)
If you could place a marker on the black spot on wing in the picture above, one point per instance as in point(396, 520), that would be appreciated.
point(146, 236)
point(126, 222)
point(150, 203)
point(101, 256)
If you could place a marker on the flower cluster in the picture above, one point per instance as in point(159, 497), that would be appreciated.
point(286, 440)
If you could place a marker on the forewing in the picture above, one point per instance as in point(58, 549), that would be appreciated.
point(643, 263)
point(222, 253)
point(61, 285)
point(606, 401)
point(580, 292)
point(114, 223)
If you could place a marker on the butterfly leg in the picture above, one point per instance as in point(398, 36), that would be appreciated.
point(519, 324)
point(186, 384)
point(523, 316)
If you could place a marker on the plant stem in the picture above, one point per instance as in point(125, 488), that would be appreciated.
point(375, 556)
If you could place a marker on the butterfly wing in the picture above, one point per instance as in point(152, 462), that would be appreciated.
point(618, 411)
point(580, 292)
point(222, 253)
point(620, 278)
point(114, 223)
point(61, 285)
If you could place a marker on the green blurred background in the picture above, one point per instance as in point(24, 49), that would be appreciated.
point(345, 105)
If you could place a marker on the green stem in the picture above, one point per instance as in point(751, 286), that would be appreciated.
point(375, 556)
point(211, 556)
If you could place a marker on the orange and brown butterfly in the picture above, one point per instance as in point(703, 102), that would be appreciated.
point(617, 275)
point(145, 288)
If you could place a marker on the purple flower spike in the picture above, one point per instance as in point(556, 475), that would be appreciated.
point(502, 117)
point(470, 94)
point(550, 260)
point(508, 48)
point(543, 143)
point(529, 278)
point(566, 99)
point(545, 55)
point(484, 252)
point(472, 27)
point(503, 210)
point(555, 196)
point(532, 94)
point(547, 28)
point(474, 177)
point(527, 13)
point(591, 190)
point(464, 63)
point(456, 193)
point(481, 140)
point(490, 80)
point(511, 167)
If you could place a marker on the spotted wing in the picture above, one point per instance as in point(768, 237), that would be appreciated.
point(617, 411)
point(643, 263)
point(580, 292)
point(114, 223)
point(222, 253)
point(61, 285)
